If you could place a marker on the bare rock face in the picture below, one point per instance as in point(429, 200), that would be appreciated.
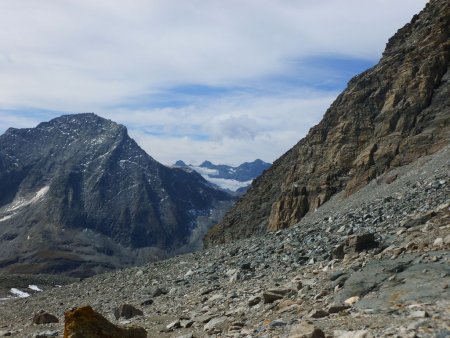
point(388, 116)
point(84, 322)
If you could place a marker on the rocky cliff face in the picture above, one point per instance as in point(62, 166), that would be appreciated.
point(77, 194)
point(389, 115)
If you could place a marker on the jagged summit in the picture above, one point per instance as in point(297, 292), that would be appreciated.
point(389, 115)
point(77, 194)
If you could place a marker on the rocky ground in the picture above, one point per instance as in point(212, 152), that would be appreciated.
point(375, 264)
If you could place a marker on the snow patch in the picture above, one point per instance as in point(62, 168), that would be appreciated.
point(22, 202)
point(6, 217)
point(18, 293)
point(34, 288)
point(18, 203)
point(229, 184)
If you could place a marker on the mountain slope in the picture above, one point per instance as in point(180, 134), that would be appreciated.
point(391, 114)
point(267, 286)
point(77, 194)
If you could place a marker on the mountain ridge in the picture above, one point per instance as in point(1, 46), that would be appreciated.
point(387, 116)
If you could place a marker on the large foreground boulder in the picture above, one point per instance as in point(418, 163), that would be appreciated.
point(84, 322)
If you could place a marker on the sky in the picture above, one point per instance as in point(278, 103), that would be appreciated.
point(222, 80)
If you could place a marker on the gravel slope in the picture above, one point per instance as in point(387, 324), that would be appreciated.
point(402, 285)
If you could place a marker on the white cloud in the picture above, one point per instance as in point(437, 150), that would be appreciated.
point(83, 55)
point(255, 127)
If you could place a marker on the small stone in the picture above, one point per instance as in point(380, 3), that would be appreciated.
point(127, 311)
point(272, 295)
point(147, 302)
point(335, 275)
point(46, 334)
point(189, 335)
point(306, 330)
point(438, 242)
point(351, 300)
point(318, 314)
point(352, 334)
point(363, 242)
point(43, 317)
point(159, 292)
point(174, 325)
point(447, 239)
point(254, 300)
point(277, 323)
point(336, 308)
point(338, 252)
point(217, 323)
point(419, 314)
point(186, 323)
point(246, 266)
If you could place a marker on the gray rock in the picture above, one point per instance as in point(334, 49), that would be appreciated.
point(217, 323)
point(317, 313)
point(127, 311)
point(43, 317)
point(270, 297)
point(46, 334)
point(254, 300)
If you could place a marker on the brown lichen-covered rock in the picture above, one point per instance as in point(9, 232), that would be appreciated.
point(388, 116)
point(84, 322)
point(43, 317)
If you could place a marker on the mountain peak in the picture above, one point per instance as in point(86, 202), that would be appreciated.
point(180, 163)
point(79, 182)
point(84, 123)
point(207, 164)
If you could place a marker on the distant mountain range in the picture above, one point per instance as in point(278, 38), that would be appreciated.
point(234, 179)
point(79, 196)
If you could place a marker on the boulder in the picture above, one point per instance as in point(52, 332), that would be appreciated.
point(43, 317)
point(362, 242)
point(127, 311)
point(306, 330)
point(84, 322)
point(217, 323)
point(270, 297)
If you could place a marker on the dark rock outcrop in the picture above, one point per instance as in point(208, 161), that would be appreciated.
point(78, 195)
point(391, 114)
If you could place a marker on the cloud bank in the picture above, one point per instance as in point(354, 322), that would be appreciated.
point(227, 81)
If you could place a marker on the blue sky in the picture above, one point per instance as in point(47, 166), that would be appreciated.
point(227, 81)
